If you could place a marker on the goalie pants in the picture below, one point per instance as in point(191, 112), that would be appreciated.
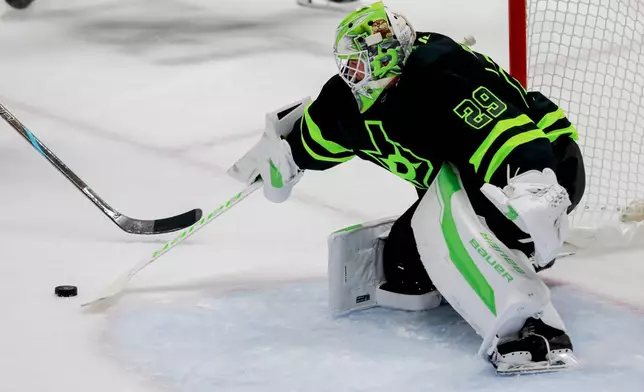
point(404, 271)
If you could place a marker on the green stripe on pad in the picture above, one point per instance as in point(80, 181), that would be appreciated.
point(448, 185)
point(350, 228)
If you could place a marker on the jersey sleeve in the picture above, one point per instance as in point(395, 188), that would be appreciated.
point(318, 140)
point(549, 117)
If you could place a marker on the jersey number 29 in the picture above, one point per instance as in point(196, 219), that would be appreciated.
point(482, 110)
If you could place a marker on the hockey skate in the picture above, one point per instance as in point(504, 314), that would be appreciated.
point(538, 349)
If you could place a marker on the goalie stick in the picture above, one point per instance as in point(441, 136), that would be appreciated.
point(130, 225)
point(117, 287)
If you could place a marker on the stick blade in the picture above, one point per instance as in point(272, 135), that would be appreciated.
point(111, 293)
point(178, 222)
point(159, 226)
point(100, 304)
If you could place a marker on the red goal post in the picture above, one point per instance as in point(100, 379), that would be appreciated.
point(518, 37)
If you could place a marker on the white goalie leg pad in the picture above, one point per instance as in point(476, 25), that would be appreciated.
point(356, 272)
point(492, 287)
point(551, 317)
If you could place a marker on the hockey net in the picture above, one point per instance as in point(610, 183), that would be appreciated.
point(586, 55)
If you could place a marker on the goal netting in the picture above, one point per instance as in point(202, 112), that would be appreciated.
point(586, 55)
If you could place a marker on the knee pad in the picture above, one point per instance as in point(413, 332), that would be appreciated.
point(356, 272)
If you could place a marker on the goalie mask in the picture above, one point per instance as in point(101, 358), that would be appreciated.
point(371, 47)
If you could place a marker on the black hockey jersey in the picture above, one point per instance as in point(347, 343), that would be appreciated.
point(451, 104)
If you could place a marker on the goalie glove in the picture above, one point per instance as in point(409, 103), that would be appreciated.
point(538, 205)
point(271, 158)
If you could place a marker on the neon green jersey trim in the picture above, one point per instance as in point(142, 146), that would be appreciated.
point(571, 130)
point(507, 148)
point(315, 130)
point(448, 184)
point(498, 129)
point(319, 157)
point(551, 118)
point(468, 49)
point(402, 157)
point(316, 135)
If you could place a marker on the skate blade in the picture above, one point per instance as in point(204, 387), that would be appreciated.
point(557, 363)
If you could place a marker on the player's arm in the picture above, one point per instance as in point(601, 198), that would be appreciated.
point(317, 139)
point(563, 138)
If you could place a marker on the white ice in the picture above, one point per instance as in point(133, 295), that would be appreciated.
point(150, 102)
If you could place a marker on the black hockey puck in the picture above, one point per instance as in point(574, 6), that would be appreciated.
point(66, 291)
point(20, 4)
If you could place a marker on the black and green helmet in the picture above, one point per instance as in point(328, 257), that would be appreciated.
point(371, 46)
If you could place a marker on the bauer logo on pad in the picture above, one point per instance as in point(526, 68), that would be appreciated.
point(362, 298)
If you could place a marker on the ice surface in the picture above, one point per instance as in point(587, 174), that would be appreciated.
point(282, 338)
point(150, 101)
